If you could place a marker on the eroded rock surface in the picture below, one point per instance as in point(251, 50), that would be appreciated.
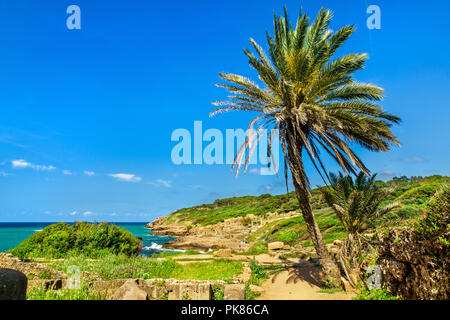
point(30, 269)
point(414, 267)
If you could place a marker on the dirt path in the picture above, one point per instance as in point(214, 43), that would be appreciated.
point(299, 283)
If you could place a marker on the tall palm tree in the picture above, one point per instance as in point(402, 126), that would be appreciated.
point(315, 104)
point(357, 203)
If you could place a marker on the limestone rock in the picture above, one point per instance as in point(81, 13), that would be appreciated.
point(275, 245)
point(30, 269)
point(257, 289)
point(223, 253)
point(46, 284)
point(413, 266)
point(13, 285)
point(234, 292)
point(130, 291)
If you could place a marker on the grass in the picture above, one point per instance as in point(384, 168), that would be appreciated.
point(330, 290)
point(121, 267)
point(258, 275)
point(376, 294)
point(166, 254)
point(84, 293)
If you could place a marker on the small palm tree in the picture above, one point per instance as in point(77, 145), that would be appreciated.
point(357, 203)
point(315, 104)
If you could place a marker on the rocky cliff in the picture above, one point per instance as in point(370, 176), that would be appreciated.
point(415, 267)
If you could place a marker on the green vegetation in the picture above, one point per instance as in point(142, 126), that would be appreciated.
point(375, 294)
point(436, 223)
point(208, 214)
point(258, 273)
point(61, 240)
point(85, 293)
point(357, 203)
point(316, 104)
point(121, 266)
point(166, 254)
point(293, 230)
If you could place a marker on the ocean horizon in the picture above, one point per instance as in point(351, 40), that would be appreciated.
point(13, 233)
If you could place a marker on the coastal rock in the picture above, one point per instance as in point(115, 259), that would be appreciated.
point(13, 285)
point(277, 245)
point(223, 253)
point(160, 228)
point(414, 267)
point(130, 291)
point(234, 292)
point(30, 269)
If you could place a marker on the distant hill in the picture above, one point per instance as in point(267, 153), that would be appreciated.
point(413, 192)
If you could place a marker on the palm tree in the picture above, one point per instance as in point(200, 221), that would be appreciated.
point(357, 203)
point(315, 104)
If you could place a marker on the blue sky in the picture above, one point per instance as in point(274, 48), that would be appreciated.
point(86, 115)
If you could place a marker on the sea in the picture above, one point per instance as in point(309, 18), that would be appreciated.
point(13, 233)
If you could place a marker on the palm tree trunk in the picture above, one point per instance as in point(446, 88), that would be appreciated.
point(330, 269)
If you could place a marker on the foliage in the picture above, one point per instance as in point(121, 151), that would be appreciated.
point(121, 266)
point(436, 223)
point(84, 293)
point(258, 247)
point(258, 273)
point(208, 214)
point(375, 294)
point(62, 240)
point(357, 203)
point(310, 97)
point(288, 237)
point(218, 292)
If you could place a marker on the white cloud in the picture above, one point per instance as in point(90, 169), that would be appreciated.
point(3, 174)
point(125, 177)
point(67, 172)
point(161, 183)
point(87, 213)
point(113, 214)
point(73, 213)
point(89, 173)
point(387, 173)
point(413, 159)
point(22, 164)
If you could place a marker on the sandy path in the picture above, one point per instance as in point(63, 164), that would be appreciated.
point(299, 283)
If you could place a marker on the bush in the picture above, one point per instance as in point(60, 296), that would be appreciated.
point(61, 240)
point(288, 237)
point(436, 223)
point(376, 294)
point(258, 273)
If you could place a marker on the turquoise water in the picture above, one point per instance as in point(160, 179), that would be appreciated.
point(13, 233)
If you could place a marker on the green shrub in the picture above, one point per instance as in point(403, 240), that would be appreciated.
point(436, 223)
point(288, 237)
point(258, 273)
point(258, 248)
point(376, 294)
point(84, 293)
point(61, 240)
